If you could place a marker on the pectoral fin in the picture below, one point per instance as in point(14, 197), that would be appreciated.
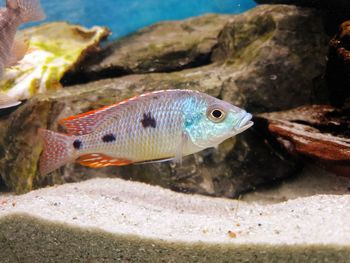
point(180, 148)
point(7, 102)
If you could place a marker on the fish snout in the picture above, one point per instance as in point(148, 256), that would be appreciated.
point(245, 120)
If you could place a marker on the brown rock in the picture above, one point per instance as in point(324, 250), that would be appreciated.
point(319, 132)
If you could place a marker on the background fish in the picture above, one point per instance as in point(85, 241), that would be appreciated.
point(16, 13)
point(154, 126)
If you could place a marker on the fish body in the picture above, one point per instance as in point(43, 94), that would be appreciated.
point(154, 126)
point(15, 13)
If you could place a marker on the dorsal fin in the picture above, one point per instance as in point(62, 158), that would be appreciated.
point(87, 122)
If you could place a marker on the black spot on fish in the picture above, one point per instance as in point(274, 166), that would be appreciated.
point(108, 138)
point(148, 121)
point(77, 144)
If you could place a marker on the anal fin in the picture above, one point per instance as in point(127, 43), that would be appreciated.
point(97, 160)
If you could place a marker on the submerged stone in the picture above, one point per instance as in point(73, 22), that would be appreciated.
point(274, 54)
point(162, 47)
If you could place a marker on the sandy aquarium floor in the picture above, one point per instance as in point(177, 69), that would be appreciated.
point(306, 217)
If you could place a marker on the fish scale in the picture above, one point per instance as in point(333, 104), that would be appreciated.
point(135, 142)
point(150, 127)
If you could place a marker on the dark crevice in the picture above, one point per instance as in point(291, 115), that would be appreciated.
point(2, 185)
point(84, 75)
point(338, 129)
point(261, 129)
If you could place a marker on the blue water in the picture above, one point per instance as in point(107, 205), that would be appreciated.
point(126, 16)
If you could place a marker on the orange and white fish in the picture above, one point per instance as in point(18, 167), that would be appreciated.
point(155, 126)
point(16, 13)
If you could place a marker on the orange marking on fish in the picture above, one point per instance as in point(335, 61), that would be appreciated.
point(92, 112)
point(101, 160)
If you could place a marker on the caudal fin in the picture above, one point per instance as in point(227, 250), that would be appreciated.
point(30, 10)
point(57, 151)
point(7, 102)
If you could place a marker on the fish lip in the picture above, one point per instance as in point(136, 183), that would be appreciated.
point(244, 124)
point(245, 121)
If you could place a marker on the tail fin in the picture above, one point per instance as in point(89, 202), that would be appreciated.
point(7, 102)
point(30, 10)
point(57, 151)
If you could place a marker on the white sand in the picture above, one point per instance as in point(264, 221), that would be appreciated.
point(119, 207)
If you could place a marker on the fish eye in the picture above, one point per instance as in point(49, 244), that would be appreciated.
point(217, 115)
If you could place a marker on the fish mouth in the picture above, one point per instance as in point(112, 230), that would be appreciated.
point(245, 120)
point(245, 123)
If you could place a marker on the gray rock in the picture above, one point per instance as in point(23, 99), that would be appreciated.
point(275, 53)
point(162, 47)
point(253, 57)
point(264, 59)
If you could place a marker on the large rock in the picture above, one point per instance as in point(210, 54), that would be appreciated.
point(275, 54)
point(265, 59)
point(163, 47)
point(111, 220)
point(253, 58)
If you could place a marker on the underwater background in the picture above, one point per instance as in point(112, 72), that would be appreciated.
point(277, 192)
point(126, 16)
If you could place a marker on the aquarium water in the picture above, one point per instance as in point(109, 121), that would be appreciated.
point(127, 16)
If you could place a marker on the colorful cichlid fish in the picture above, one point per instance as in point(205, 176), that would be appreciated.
point(155, 126)
point(17, 12)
